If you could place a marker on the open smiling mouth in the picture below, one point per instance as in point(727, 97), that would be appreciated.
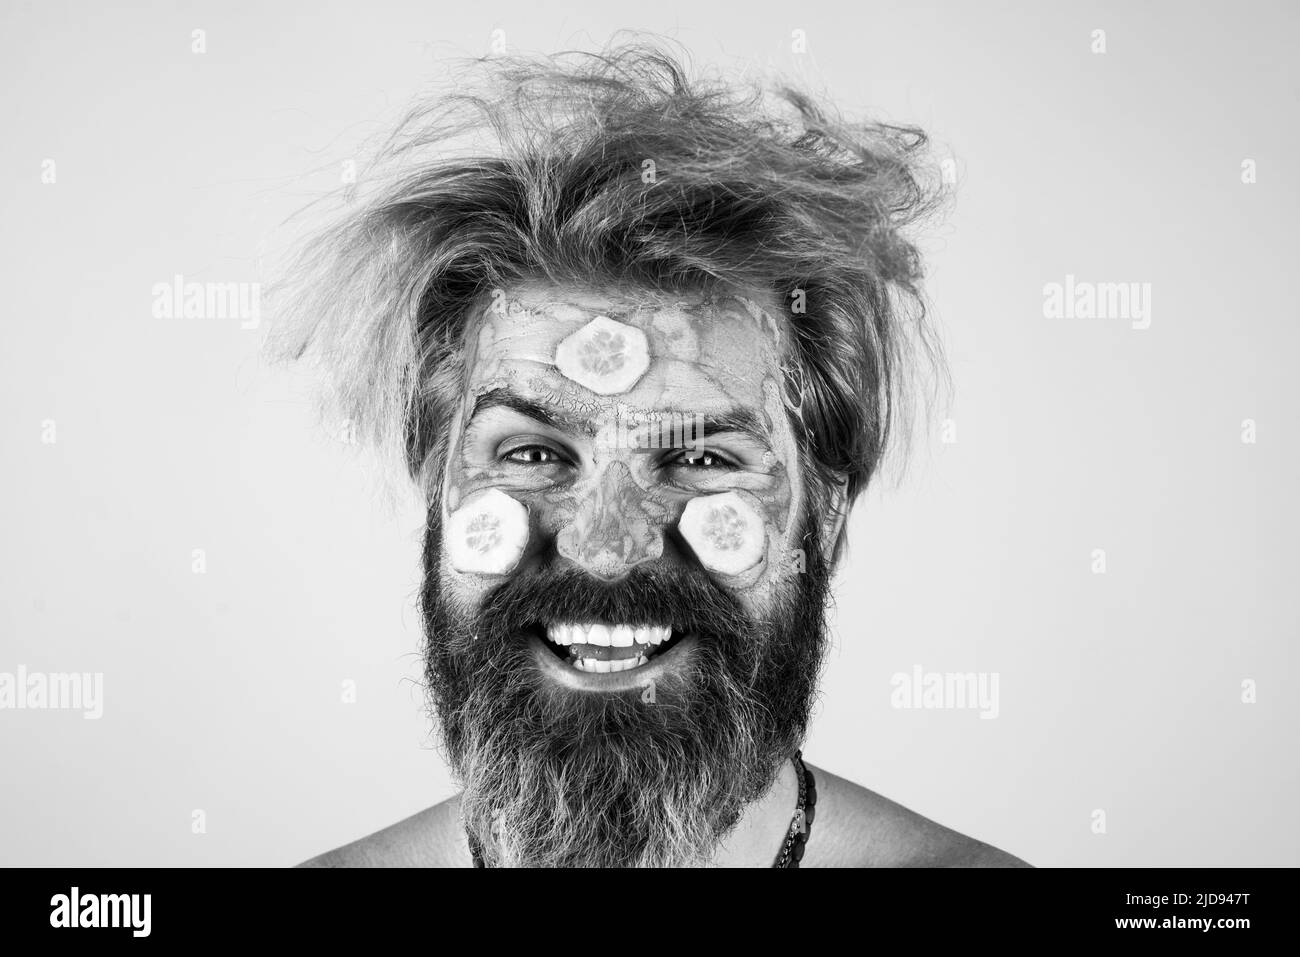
point(602, 648)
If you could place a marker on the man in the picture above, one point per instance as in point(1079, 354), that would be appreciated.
point(640, 351)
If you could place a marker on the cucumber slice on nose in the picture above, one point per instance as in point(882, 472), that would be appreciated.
point(487, 534)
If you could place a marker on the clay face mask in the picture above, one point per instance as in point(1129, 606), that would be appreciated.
point(631, 429)
point(617, 634)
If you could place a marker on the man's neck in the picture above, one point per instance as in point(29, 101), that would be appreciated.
point(764, 824)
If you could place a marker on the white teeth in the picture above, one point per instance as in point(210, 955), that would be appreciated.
point(606, 667)
point(616, 636)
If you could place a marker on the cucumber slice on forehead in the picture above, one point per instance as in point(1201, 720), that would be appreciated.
point(604, 356)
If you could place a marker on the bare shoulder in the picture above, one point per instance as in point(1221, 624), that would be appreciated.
point(431, 838)
point(855, 827)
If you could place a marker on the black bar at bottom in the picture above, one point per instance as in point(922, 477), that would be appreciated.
point(435, 909)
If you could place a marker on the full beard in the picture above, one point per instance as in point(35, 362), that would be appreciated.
point(554, 777)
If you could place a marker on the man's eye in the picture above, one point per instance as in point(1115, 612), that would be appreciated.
point(533, 455)
point(702, 460)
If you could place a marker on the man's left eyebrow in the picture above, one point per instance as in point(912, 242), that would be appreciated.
point(741, 420)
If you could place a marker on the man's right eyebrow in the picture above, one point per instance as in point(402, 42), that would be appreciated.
point(502, 398)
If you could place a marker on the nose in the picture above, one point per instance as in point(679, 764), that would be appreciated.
point(615, 528)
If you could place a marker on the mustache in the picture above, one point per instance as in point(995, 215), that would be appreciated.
point(677, 596)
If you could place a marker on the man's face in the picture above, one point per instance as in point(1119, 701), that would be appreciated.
point(623, 596)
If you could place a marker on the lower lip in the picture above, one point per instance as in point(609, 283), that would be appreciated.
point(652, 670)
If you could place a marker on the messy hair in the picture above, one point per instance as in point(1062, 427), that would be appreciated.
point(622, 168)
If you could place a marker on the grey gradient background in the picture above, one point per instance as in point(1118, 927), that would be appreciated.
point(1119, 692)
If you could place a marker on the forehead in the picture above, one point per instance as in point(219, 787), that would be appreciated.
point(705, 352)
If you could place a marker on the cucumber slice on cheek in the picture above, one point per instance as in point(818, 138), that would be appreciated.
point(725, 531)
point(487, 534)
